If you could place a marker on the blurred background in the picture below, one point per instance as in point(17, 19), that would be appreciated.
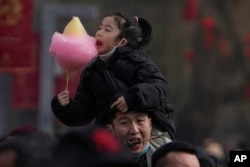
point(202, 47)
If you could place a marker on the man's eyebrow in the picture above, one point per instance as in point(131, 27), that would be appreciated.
point(122, 118)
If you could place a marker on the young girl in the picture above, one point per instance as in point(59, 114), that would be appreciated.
point(122, 77)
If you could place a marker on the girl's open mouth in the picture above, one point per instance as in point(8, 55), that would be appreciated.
point(98, 43)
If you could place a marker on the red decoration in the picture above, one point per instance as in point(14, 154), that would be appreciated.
point(105, 141)
point(189, 54)
point(247, 52)
point(16, 35)
point(247, 92)
point(26, 82)
point(247, 38)
point(208, 22)
point(23, 130)
point(208, 27)
point(190, 10)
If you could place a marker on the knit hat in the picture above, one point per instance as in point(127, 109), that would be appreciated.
point(90, 147)
point(22, 130)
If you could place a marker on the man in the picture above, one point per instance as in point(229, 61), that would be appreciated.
point(26, 147)
point(175, 154)
point(133, 129)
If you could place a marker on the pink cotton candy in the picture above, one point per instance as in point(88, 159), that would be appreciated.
point(72, 53)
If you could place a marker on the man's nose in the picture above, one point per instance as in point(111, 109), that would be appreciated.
point(134, 128)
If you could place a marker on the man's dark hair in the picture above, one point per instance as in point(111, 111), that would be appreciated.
point(112, 114)
point(170, 147)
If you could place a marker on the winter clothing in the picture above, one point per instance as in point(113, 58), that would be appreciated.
point(129, 73)
point(90, 147)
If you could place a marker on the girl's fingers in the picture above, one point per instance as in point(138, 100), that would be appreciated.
point(114, 104)
point(120, 104)
point(63, 98)
point(123, 109)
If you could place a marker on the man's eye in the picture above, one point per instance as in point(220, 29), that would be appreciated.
point(123, 123)
point(140, 120)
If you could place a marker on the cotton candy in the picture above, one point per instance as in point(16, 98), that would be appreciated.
point(74, 48)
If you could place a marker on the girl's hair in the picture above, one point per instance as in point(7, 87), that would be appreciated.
point(136, 30)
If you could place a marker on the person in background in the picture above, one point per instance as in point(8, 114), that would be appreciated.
point(121, 77)
point(23, 129)
point(175, 154)
point(26, 148)
point(91, 147)
point(205, 159)
point(215, 151)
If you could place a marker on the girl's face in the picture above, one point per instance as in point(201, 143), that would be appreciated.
point(107, 35)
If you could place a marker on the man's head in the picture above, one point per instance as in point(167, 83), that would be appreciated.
point(175, 154)
point(132, 128)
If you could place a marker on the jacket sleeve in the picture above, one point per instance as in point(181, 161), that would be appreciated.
point(78, 112)
point(151, 89)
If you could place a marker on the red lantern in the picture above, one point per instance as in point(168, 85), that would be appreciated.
point(208, 25)
point(190, 10)
point(208, 22)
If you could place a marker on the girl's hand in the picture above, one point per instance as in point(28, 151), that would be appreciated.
point(63, 98)
point(120, 104)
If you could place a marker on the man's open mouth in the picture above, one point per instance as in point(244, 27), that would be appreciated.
point(133, 142)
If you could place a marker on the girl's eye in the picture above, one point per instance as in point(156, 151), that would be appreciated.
point(108, 30)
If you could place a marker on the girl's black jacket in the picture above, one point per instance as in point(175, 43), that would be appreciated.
point(129, 73)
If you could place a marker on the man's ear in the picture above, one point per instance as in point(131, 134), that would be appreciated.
point(150, 123)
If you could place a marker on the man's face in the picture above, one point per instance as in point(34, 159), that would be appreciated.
point(133, 126)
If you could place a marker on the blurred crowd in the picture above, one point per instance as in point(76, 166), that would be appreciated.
point(27, 146)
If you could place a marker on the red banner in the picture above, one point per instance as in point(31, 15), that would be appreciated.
point(25, 90)
point(16, 35)
point(25, 85)
point(19, 54)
